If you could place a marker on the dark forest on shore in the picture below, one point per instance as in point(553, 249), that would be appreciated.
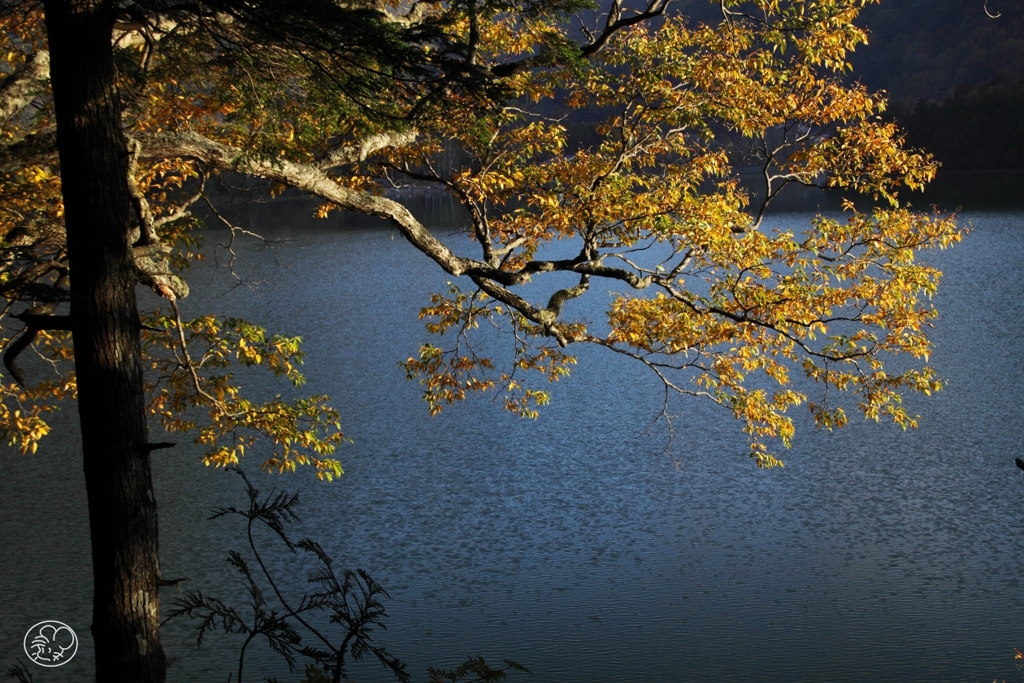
point(977, 127)
point(955, 76)
point(954, 70)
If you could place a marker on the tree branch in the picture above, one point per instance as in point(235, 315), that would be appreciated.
point(308, 178)
point(353, 154)
point(19, 89)
point(34, 322)
point(615, 22)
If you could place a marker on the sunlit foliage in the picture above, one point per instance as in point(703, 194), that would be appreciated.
point(710, 299)
point(620, 134)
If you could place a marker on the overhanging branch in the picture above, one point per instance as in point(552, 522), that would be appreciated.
point(307, 178)
point(34, 323)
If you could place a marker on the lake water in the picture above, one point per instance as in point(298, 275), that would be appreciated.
point(573, 544)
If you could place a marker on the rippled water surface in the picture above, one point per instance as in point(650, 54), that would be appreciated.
point(574, 544)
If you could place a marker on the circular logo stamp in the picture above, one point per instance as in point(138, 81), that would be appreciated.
point(51, 643)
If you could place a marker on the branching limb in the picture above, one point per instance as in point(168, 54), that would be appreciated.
point(234, 231)
point(191, 367)
point(184, 209)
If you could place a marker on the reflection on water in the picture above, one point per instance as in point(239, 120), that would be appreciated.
point(573, 544)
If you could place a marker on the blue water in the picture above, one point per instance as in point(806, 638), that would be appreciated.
point(575, 544)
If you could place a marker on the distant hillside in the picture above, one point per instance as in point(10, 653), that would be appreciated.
point(927, 48)
point(974, 128)
point(954, 75)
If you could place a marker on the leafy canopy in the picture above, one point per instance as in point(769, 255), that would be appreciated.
point(618, 133)
point(711, 300)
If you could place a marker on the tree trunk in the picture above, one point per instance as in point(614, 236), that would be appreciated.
point(108, 358)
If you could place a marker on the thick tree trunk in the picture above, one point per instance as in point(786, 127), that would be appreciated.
point(108, 359)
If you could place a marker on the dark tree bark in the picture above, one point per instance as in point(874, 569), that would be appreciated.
point(105, 329)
